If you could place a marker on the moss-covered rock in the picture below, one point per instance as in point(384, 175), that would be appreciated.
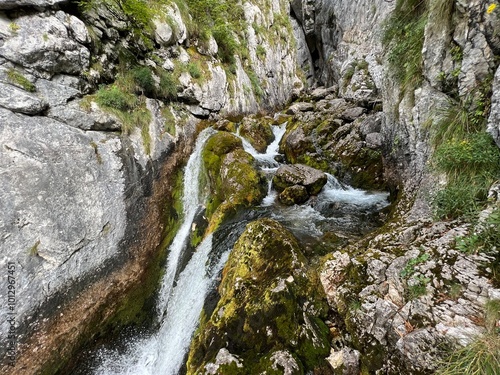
point(269, 313)
point(234, 182)
point(257, 132)
point(295, 194)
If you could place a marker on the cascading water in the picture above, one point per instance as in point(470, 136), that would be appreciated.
point(179, 305)
point(183, 293)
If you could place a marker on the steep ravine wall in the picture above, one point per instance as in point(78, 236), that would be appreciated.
point(407, 294)
point(87, 193)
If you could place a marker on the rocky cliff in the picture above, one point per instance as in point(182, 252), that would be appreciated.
point(99, 105)
point(101, 101)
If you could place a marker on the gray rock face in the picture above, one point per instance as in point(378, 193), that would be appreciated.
point(18, 100)
point(44, 44)
point(12, 4)
point(297, 174)
point(494, 119)
point(63, 207)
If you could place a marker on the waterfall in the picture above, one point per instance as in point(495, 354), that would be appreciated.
point(191, 202)
point(180, 301)
point(183, 293)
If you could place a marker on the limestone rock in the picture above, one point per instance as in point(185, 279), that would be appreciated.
point(494, 119)
point(257, 132)
point(12, 4)
point(299, 107)
point(18, 100)
point(298, 174)
point(44, 43)
point(295, 194)
point(255, 295)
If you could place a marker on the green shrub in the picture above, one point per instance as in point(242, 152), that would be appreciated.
point(404, 39)
point(463, 196)
point(487, 239)
point(113, 97)
point(143, 78)
point(473, 154)
point(227, 44)
point(168, 86)
point(194, 70)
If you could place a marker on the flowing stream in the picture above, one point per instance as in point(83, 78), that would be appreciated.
point(184, 291)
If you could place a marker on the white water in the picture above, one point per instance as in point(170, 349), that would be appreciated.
point(191, 202)
point(179, 306)
point(181, 301)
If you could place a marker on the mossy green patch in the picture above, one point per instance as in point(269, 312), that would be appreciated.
point(263, 307)
point(234, 182)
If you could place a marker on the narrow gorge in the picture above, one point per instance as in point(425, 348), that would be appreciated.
point(250, 187)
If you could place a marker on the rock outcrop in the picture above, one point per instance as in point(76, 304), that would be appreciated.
point(262, 320)
point(98, 110)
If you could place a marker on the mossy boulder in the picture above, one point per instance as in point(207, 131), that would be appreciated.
point(234, 181)
point(258, 132)
point(295, 194)
point(298, 174)
point(270, 309)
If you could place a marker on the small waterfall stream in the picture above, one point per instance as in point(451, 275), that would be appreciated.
point(183, 292)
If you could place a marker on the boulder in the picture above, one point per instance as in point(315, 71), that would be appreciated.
point(295, 194)
point(44, 43)
point(261, 316)
point(19, 100)
point(300, 107)
point(12, 4)
point(258, 133)
point(298, 174)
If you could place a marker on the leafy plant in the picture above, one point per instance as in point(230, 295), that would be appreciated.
point(143, 78)
point(14, 27)
point(486, 239)
point(168, 86)
point(409, 268)
point(194, 70)
point(471, 165)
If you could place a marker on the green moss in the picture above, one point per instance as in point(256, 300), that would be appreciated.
point(18, 79)
point(261, 307)
point(234, 182)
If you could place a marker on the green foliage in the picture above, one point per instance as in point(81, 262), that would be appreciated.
point(482, 356)
point(471, 165)
point(226, 42)
point(458, 118)
point(113, 97)
point(473, 153)
point(256, 87)
point(18, 79)
point(194, 70)
point(417, 285)
point(168, 86)
point(404, 38)
point(14, 27)
point(487, 238)
point(143, 78)
point(261, 52)
point(409, 268)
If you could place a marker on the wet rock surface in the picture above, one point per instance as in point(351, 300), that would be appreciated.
point(262, 310)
